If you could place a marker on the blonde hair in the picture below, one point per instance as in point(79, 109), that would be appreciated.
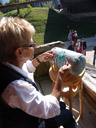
point(14, 32)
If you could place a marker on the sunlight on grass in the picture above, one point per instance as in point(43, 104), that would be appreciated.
point(39, 37)
point(52, 26)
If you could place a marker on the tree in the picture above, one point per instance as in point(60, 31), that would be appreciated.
point(17, 1)
point(1, 2)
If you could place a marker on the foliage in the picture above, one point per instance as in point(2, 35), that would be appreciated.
point(16, 1)
point(29, 6)
point(1, 13)
point(52, 26)
point(51, 4)
point(48, 4)
point(1, 2)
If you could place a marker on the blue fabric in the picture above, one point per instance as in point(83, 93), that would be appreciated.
point(94, 59)
point(64, 119)
point(77, 60)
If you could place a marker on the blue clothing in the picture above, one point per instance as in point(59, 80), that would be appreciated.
point(64, 119)
point(94, 59)
point(71, 47)
point(94, 55)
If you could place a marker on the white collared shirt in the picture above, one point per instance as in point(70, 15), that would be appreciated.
point(21, 94)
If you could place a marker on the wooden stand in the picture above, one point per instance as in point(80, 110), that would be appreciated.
point(74, 86)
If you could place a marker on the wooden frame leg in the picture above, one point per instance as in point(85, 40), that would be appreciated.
point(70, 99)
point(80, 98)
point(64, 99)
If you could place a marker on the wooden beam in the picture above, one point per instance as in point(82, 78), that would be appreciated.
point(21, 4)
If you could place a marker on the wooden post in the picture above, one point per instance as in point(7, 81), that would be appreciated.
point(80, 98)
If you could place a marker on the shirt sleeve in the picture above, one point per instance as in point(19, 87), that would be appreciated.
point(20, 94)
point(28, 67)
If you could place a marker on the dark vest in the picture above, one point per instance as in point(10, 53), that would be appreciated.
point(10, 117)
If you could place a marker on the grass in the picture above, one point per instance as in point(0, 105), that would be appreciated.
point(52, 26)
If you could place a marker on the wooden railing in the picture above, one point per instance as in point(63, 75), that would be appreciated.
point(16, 5)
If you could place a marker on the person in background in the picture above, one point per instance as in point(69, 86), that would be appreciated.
point(78, 46)
point(83, 46)
point(71, 46)
point(94, 59)
point(75, 37)
point(21, 103)
point(70, 35)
